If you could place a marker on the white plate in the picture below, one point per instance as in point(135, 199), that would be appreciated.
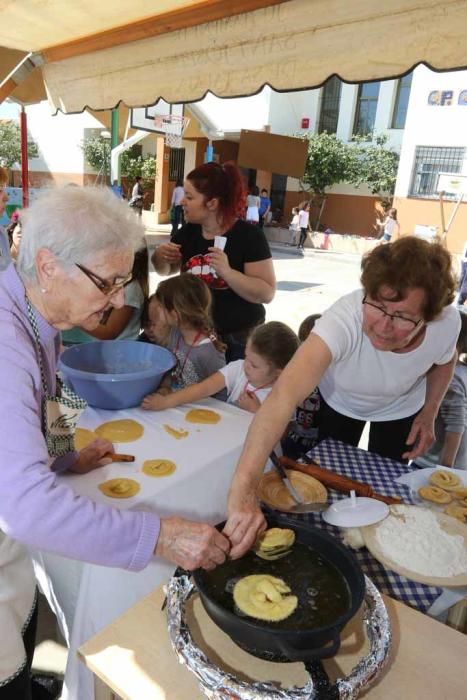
point(365, 511)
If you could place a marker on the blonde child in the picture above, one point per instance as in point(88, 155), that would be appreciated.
point(185, 302)
point(155, 328)
point(248, 382)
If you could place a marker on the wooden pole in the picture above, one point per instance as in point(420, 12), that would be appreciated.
point(24, 157)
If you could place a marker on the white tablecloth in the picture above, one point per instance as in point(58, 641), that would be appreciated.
point(86, 597)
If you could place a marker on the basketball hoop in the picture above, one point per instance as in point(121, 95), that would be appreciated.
point(173, 127)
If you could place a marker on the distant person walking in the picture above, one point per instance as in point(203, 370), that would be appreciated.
point(177, 218)
point(390, 226)
point(137, 196)
point(252, 205)
point(303, 221)
point(294, 228)
point(264, 208)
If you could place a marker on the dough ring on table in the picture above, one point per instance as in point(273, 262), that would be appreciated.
point(434, 494)
point(445, 480)
point(125, 430)
point(264, 597)
point(120, 488)
point(458, 512)
point(459, 492)
point(202, 415)
point(83, 438)
point(158, 467)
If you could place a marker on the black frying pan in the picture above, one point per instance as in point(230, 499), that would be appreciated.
point(294, 639)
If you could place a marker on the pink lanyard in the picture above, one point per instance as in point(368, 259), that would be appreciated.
point(197, 337)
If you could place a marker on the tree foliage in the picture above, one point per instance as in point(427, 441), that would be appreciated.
point(10, 144)
point(97, 150)
point(331, 161)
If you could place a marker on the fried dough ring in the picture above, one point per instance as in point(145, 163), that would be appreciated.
point(444, 480)
point(434, 494)
point(456, 511)
point(264, 597)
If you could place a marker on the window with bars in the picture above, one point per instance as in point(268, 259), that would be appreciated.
point(429, 162)
point(399, 114)
point(176, 164)
point(330, 100)
point(365, 113)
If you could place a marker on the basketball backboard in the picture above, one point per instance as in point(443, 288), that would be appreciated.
point(452, 183)
point(142, 118)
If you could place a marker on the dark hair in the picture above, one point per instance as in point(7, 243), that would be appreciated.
point(254, 190)
point(179, 183)
point(307, 326)
point(264, 190)
point(222, 182)
point(411, 263)
point(140, 270)
point(145, 312)
point(462, 339)
point(137, 178)
point(302, 205)
point(191, 299)
point(10, 230)
point(392, 213)
point(275, 342)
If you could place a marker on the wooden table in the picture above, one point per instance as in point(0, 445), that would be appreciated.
point(134, 657)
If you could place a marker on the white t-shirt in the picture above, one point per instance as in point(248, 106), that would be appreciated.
point(303, 218)
point(177, 196)
point(236, 383)
point(369, 384)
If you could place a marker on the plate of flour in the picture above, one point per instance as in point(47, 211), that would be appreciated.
point(421, 544)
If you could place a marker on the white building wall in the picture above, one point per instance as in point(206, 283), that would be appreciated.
point(431, 125)
point(58, 139)
point(286, 111)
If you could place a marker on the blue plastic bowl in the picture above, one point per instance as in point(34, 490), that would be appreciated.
point(115, 374)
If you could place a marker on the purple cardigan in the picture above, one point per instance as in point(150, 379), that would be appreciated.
point(35, 507)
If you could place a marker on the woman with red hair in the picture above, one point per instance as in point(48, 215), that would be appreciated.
point(229, 254)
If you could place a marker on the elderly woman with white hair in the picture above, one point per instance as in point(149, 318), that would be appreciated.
point(76, 257)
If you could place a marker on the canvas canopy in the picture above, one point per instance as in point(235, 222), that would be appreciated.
point(96, 54)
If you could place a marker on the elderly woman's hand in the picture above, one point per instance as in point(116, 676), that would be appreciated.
point(93, 456)
point(169, 253)
point(245, 520)
point(422, 434)
point(219, 261)
point(191, 545)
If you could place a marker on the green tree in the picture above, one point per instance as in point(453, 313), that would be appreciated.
point(96, 151)
point(375, 165)
point(329, 162)
point(10, 144)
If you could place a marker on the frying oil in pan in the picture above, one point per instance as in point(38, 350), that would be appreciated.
point(322, 591)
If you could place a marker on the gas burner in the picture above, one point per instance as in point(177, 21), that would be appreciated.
point(217, 684)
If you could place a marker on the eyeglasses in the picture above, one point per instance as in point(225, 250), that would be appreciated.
point(104, 286)
point(400, 322)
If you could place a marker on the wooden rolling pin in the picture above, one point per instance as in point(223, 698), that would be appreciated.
point(337, 481)
point(116, 457)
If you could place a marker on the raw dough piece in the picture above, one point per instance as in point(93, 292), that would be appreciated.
point(202, 415)
point(158, 467)
point(264, 597)
point(434, 494)
point(83, 438)
point(458, 512)
point(120, 488)
point(445, 480)
point(177, 433)
point(125, 430)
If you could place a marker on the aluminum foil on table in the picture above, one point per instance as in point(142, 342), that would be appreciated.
point(217, 684)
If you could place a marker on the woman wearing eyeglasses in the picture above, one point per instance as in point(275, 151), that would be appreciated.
point(384, 354)
point(71, 269)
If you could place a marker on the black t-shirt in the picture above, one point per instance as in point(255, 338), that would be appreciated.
point(245, 243)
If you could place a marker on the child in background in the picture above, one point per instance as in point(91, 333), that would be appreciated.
point(294, 228)
point(302, 433)
point(248, 382)
point(450, 446)
point(303, 221)
point(155, 328)
point(186, 306)
point(253, 202)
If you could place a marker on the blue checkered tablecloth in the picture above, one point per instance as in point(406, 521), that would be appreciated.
point(380, 473)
